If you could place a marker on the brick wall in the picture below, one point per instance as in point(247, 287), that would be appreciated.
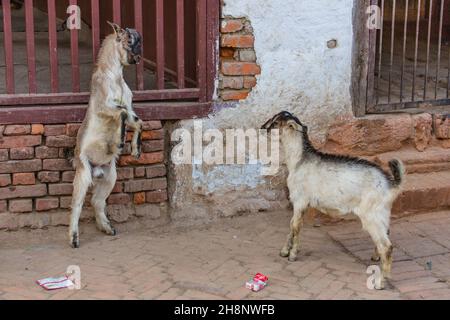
point(36, 176)
point(238, 59)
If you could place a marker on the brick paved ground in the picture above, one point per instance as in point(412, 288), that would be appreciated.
point(214, 262)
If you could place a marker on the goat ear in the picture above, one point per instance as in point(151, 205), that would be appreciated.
point(117, 29)
point(294, 125)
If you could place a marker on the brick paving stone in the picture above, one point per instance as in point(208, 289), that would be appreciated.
point(213, 262)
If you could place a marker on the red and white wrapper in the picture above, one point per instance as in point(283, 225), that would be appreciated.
point(51, 284)
point(258, 283)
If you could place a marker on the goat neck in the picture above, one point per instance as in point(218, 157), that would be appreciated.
point(109, 59)
point(292, 142)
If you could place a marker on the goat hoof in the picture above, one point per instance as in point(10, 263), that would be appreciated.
point(375, 259)
point(75, 241)
point(284, 253)
point(292, 258)
point(137, 155)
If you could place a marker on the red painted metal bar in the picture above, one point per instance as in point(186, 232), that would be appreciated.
point(95, 25)
point(31, 50)
point(72, 98)
point(75, 55)
point(139, 25)
point(160, 53)
point(180, 44)
point(8, 41)
point(201, 48)
point(53, 46)
point(117, 12)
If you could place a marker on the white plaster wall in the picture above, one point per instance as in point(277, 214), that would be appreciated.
point(299, 73)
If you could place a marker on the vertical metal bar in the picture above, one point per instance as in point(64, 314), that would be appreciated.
point(405, 33)
point(75, 56)
point(428, 51)
point(9, 56)
point(438, 67)
point(180, 44)
point(53, 46)
point(416, 51)
point(95, 14)
point(370, 96)
point(160, 53)
point(201, 48)
point(140, 28)
point(394, 3)
point(117, 12)
point(380, 53)
point(31, 50)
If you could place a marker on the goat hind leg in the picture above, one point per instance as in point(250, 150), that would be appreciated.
point(82, 181)
point(102, 190)
point(289, 243)
point(296, 228)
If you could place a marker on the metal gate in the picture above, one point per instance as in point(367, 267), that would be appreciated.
point(179, 54)
point(409, 56)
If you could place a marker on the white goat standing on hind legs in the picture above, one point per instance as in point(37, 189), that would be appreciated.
point(102, 136)
point(337, 185)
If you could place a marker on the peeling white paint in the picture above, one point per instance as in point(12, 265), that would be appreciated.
point(299, 73)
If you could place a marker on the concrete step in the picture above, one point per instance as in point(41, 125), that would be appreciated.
point(423, 192)
point(432, 160)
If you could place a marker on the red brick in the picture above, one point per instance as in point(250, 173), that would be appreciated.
point(119, 198)
point(61, 142)
point(151, 125)
point(238, 41)
point(37, 129)
point(3, 206)
point(47, 153)
point(35, 191)
point(139, 198)
point(139, 172)
point(145, 185)
point(48, 177)
point(156, 171)
point(118, 188)
point(125, 174)
point(72, 129)
point(55, 130)
point(5, 180)
point(24, 179)
point(68, 176)
point(47, 204)
point(146, 159)
point(3, 155)
point(148, 135)
point(249, 82)
point(64, 189)
point(231, 68)
point(57, 165)
point(235, 94)
point(227, 52)
point(21, 154)
point(65, 202)
point(17, 130)
point(20, 166)
point(21, 206)
point(233, 82)
point(156, 196)
point(234, 25)
point(20, 142)
point(152, 146)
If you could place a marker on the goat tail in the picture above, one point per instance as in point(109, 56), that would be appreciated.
point(398, 171)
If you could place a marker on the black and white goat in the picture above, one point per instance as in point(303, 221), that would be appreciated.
point(337, 185)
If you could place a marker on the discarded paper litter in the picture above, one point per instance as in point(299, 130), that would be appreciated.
point(50, 284)
point(258, 283)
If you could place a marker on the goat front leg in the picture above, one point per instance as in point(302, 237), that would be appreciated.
point(292, 246)
point(136, 143)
